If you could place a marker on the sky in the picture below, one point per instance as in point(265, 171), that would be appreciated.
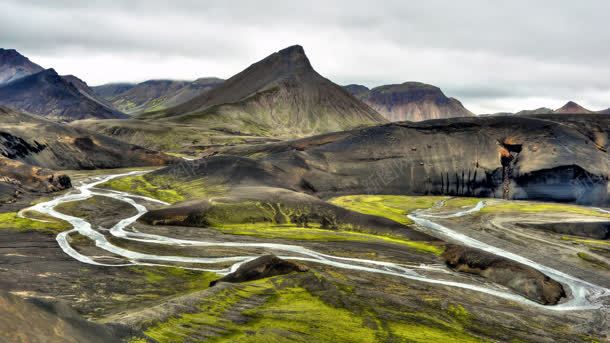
point(494, 56)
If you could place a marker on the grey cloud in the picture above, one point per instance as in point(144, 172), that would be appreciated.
point(475, 50)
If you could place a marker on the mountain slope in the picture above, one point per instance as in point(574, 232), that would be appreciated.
point(40, 142)
point(282, 95)
point(14, 66)
point(50, 95)
point(412, 101)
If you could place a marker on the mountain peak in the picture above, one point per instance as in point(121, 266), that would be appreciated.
point(14, 65)
point(289, 60)
point(572, 108)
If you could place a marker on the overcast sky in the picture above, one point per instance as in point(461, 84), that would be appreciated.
point(492, 55)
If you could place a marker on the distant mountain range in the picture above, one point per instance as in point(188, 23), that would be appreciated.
point(569, 108)
point(412, 101)
point(154, 95)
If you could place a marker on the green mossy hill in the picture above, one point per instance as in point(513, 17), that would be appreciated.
point(301, 308)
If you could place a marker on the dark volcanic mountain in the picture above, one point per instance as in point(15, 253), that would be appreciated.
point(14, 66)
point(412, 101)
point(282, 95)
point(53, 96)
point(572, 108)
point(154, 95)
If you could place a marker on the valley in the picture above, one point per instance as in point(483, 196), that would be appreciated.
point(275, 205)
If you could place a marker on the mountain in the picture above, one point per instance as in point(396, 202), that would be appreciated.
point(606, 111)
point(541, 110)
point(50, 95)
point(279, 97)
point(154, 94)
point(110, 90)
point(572, 108)
point(14, 66)
point(412, 101)
point(357, 90)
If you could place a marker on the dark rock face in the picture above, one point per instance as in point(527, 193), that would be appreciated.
point(520, 278)
point(50, 95)
point(411, 101)
point(262, 267)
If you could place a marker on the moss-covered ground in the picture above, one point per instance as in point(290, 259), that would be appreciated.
point(293, 232)
point(285, 309)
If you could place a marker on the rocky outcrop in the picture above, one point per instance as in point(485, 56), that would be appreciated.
point(261, 267)
point(520, 278)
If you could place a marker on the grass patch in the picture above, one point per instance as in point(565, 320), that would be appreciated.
point(10, 221)
point(175, 278)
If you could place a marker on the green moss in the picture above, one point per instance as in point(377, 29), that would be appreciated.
point(138, 184)
point(394, 207)
point(587, 241)
point(291, 231)
point(44, 224)
point(537, 207)
point(163, 188)
point(425, 334)
point(459, 312)
point(280, 310)
point(592, 260)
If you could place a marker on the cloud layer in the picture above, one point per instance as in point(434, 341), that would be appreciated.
point(494, 56)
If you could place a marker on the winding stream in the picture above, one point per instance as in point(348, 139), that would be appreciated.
point(584, 295)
